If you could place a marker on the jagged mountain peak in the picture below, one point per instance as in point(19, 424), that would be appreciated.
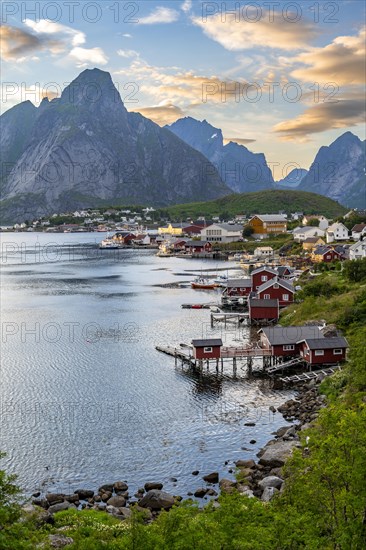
point(242, 170)
point(85, 148)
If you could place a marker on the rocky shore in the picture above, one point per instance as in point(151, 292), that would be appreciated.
point(261, 479)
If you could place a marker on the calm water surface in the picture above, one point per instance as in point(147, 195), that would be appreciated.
point(85, 398)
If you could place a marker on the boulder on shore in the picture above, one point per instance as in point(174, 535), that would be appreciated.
point(60, 507)
point(271, 481)
point(212, 478)
point(276, 454)
point(156, 500)
point(152, 485)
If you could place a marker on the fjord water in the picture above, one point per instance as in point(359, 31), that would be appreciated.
point(85, 397)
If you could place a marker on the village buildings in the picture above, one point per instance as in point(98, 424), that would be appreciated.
point(267, 225)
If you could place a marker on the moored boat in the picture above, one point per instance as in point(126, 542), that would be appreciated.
point(203, 284)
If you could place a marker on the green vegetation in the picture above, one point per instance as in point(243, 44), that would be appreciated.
point(323, 505)
point(261, 202)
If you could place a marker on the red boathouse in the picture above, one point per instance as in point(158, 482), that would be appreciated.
point(209, 348)
point(263, 311)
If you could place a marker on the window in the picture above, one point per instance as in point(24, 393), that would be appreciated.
point(267, 296)
point(285, 297)
point(319, 352)
point(288, 347)
point(264, 278)
point(337, 352)
point(207, 349)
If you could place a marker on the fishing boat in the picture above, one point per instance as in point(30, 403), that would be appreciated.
point(203, 284)
point(221, 280)
point(109, 244)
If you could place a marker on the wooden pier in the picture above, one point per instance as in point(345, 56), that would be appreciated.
point(304, 377)
point(236, 318)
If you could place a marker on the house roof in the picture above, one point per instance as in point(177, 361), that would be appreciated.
point(322, 250)
point(228, 226)
point(312, 239)
point(282, 269)
point(306, 229)
point(197, 243)
point(334, 226)
point(281, 282)
point(291, 335)
point(256, 302)
point(356, 245)
point(271, 218)
point(239, 283)
point(263, 268)
point(358, 227)
point(326, 343)
point(207, 342)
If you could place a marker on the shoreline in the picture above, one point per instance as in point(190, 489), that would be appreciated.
point(261, 478)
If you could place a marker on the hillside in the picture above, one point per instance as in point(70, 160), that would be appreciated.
point(261, 202)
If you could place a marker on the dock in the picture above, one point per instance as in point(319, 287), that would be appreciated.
point(304, 377)
point(236, 318)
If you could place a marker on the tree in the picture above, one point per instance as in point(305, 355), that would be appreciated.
point(248, 231)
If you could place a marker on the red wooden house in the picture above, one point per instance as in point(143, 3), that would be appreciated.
point(263, 311)
point(320, 351)
point(179, 244)
point(237, 287)
point(197, 247)
point(325, 254)
point(209, 348)
point(278, 289)
point(192, 229)
point(284, 341)
point(284, 272)
point(261, 275)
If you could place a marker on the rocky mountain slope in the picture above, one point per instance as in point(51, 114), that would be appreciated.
point(338, 171)
point(85, 148)
point(242, 170)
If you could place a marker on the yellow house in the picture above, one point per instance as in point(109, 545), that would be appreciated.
point(273, 224)
point(171, 229)
point(312, 242)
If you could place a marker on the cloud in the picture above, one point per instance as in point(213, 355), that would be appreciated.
point(343, 113)
point(183, 88)
point(239, 141)
point(342, 61)
point(87, 56)
point(186, 6)
point(44, 26)
point(235, 33)
point(127, 35)
point(16, 43)
point(128, 53)
point(160, 15)
point(162, 114)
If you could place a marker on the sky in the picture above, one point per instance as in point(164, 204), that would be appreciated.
point(281, 78)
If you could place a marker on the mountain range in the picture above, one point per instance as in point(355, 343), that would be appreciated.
point(242, 170)
point(338, 171)
point(85, 149)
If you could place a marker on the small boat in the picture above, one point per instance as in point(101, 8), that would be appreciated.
point(109, 244)
point(221, 280)
point(203, 284)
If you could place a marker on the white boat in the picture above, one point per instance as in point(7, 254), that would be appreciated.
point(221, 280)
point(109, 244)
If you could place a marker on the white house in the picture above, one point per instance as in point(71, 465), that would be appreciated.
point(263, 251)
point(323, 221)
point(357, 251)
point(337, 232)
point(302, 233)
point(358, 231)
point(222, 233)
